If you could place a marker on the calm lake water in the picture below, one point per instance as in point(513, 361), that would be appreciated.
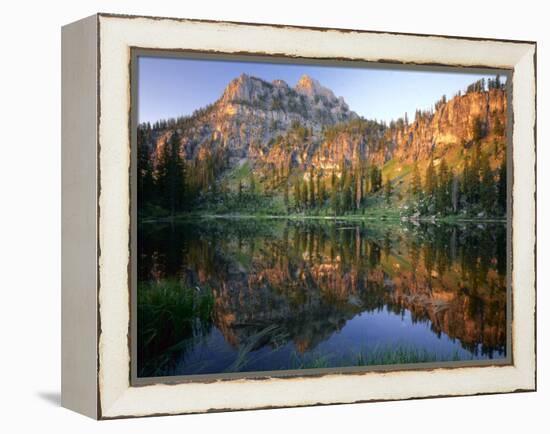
point(242, 295)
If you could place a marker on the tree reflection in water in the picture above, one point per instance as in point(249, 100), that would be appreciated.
point(281, 290)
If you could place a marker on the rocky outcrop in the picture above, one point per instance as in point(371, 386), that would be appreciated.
point(274, 126)
point(453, 123)
point(251, 113)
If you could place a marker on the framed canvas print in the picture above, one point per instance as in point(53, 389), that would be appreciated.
point(260, 216)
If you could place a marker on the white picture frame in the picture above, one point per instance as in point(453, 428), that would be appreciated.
point(96, 254)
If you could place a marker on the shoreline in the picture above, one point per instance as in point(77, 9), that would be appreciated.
point(377, 219)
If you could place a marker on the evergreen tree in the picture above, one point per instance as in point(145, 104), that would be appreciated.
point(375, 179)
point(322, 192)
point(477, 128)
point(466, 187)
point(297, 195)
point(352, 189)
point(333, 181)
point(502, 188)
point(347, 194)
point(416, 183)
point(444, 185)
point(364, 182)
point(286, 194)
point(335, 201)
point(487, 186)
point(311, 189)
point(454, 192)
point(343, 174)
point(334, 194)
point(470, 179)
point(145, 179)
point(388, 190)
point(304, 195)
point(475, 173)
point(431, 180)
point(171, 176)
point(358, 188)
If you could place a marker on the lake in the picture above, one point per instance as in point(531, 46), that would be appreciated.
point(222, 295)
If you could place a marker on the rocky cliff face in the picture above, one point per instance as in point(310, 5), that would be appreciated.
point(251, 113)
point(453, 123)
point(275, 126)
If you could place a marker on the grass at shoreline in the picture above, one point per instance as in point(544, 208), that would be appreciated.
point(379, 356)
point(169, 313)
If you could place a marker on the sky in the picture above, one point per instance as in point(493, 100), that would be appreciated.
point(172, 87)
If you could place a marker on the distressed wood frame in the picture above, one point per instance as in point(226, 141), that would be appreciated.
point(96, 214)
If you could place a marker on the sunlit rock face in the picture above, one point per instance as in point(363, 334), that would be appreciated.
point(273, 125)
point(452, 124)
point(252, 112)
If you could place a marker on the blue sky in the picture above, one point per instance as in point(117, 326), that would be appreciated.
point(171, 87)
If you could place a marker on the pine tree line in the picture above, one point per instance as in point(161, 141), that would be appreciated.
point(172, 184)
point(345, 190)
point(478, 190)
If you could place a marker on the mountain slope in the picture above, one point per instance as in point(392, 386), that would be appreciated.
point(252, 112)
point(289, 136)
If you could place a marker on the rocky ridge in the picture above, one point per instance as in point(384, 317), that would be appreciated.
point(273, 125)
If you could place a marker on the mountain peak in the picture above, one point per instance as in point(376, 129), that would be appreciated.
point(243, 77)
point(307, 81)
point(241, 88)
point(311, 88)
point(309, 102)
point(308, 85)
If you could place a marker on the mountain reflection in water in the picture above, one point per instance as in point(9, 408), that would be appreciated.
point(232, 295)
